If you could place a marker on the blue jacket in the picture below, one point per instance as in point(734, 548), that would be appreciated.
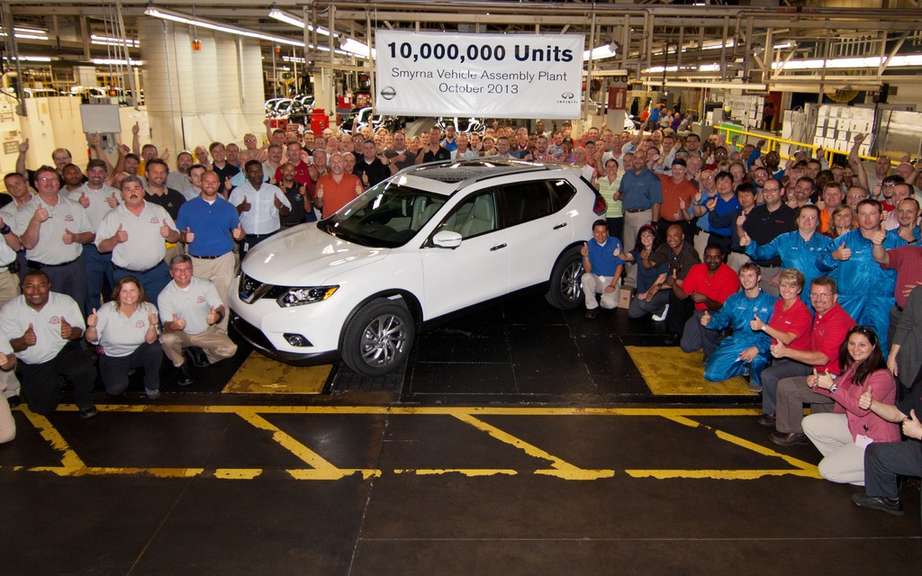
point(795, 253)
point(736, 313)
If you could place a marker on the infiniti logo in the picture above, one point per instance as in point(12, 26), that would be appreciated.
point(388, 92)
point(567, 95)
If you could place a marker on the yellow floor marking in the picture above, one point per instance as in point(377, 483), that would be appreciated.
point(288, 442)
point(261, 375)
point(69, 458)
point(669, 371)
point(238, 473)
point(419, 410)
point(716, 474)
point(684, 421)
point(559, 468)
point(469, 472)
point(339, 473)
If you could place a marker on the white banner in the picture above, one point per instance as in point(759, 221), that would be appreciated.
point(484, 75)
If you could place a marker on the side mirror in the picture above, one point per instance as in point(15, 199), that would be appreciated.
point(446, 239)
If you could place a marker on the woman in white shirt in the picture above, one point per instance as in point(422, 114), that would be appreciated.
point(126, 328)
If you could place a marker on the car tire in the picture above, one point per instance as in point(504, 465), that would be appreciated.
point(566, 288)
point(379, 337)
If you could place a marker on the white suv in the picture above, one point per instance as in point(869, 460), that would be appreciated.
point(430, 240)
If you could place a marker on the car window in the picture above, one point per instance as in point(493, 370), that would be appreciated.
point(474, 216)
point(561, 193)
point(525, 201)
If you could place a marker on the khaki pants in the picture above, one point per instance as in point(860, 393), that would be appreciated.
point(736, 260)
point(214, 342)
point(701, 242)
point(593, 285)
point(633, 221)
point(843, 460)
point(9, 286)
point(7, 424)
point(220, 271)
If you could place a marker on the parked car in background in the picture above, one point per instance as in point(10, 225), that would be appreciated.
point(358, 284)
point(468, 125)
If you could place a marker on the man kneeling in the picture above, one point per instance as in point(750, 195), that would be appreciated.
point(190, 309)
point(602, 264)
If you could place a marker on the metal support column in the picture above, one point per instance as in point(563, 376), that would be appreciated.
point(589, 68)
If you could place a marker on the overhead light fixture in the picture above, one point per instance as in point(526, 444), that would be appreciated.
point(216, 26)
point(116, 62)
point(600, 52)
point(711, 85)
point(287, 18)
point(869, 62)
point(31, 58)
point(28, 33)
point(348, 46)
point(112, 41)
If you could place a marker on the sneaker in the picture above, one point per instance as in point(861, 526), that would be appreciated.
point(152, 394)
point(87, 413)
point(888, 505)
point(662, 315)
point(591, 314)
point(185, 377)
point(767, 421)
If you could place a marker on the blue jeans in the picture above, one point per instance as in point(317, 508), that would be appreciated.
point(153, 280)
point(98, 277)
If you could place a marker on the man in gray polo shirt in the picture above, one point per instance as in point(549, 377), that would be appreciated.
point(54, 232)
point(49, 326)
point(97, 198)
point(134, 234)
point(191, 311)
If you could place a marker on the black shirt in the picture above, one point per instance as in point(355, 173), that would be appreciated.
point(375, 170)
point(764, 226)
point(296, 215)
point(912, 400)
point(440, 154)
point(229, 171)
point(681, 262)
point(171, 201)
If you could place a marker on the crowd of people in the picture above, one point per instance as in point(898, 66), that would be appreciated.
point(798, 276)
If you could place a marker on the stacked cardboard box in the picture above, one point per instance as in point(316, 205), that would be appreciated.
point(837, 126)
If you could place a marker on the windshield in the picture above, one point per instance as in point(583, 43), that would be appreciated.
point(387, 215)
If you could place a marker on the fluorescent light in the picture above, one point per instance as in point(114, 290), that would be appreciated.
point(703, 84)
point(116, 62)
point(869, 62)
point(31, 58)
point(211, 25)
point(287, 18)
point(599, 52)
point(111, 41)
point(709, 68)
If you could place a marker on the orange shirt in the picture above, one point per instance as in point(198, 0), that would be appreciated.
point(337, 194)
point(672, 193)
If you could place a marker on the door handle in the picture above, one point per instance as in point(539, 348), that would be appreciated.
point(498, 247)
point(559, 226)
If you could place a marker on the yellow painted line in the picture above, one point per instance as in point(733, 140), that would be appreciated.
point(288, 442)
point(716, 474)
point(683, 421)
point(733, 439)
point(419, 410)
point(238, 473)
point(469, 472)
point(560, 468)
point(69, 458)
point(336, 474)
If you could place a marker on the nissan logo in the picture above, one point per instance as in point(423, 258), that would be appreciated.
point(388, 92)
point(567, 95)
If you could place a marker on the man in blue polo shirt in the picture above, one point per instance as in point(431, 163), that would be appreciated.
point(641, 197)
point(602, 264)
point(209, 226)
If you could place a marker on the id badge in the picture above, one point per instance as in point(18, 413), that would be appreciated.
point(863, 441)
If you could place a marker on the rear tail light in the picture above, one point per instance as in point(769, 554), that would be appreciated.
point(599, 207)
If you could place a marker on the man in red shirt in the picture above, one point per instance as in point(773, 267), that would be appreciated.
point(302, 170)
point(907, 261)
point(830, 327)
point(708, 285)
point(336, 188)
point(678, 193)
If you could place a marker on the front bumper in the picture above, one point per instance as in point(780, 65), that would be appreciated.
point(255, 337)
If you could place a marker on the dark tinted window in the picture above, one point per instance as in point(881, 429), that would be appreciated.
point(561, 194)
point(525, 201)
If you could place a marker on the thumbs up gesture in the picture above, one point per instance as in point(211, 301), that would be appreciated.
point(865, 400)
point(705, 319)
point(189, 236)
point(84, 200)
point(712, 203)
point(779, 350)
point(136, 128)
point(41, 214)
point(112, 201)
point(756, 323)
point(824, 380)
point(238, 233)
point(584, 249)
point(912, 427)
point(740, 220)
point(213, 316)
point(843, 252)
point(120, 235)
point(152, 319)
point(179, 323)
point(66, 329)
point(6, 361)
point(878, 236)
point(29, 337)
point(227, 184)
point(92, 319)
point(165, 230)
point(69, 237)
point(245, 205)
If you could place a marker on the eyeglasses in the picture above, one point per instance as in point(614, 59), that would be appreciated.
point(819, 295)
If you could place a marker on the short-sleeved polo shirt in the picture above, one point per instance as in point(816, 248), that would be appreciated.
point(16, 315)
point(211, 223)
point(144, 248)
point(120, 335)
point(191, 304)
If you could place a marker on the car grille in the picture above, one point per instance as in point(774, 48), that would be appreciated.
point(251, 290)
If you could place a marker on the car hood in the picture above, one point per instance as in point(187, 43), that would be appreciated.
point(306, 256)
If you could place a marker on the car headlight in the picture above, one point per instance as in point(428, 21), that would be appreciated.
point(300, 295)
